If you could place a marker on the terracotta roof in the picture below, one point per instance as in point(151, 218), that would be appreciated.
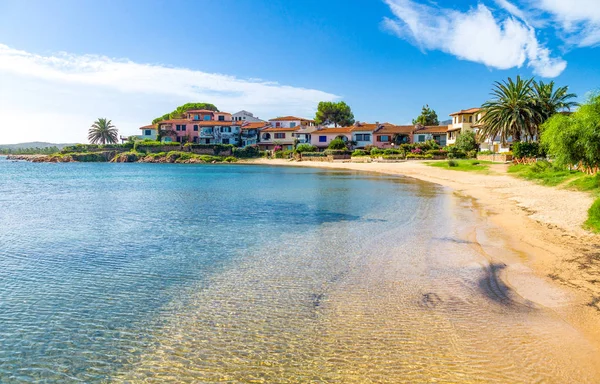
point(175, 121)
point(199, 111)
point(470, 110)
point(209, 123)
point(279, 129)
point(254, 125)
point(223, 113)
point(151, 126)
point(290, 118)
point(335, 130)
point(391, 129)
point(433, 129)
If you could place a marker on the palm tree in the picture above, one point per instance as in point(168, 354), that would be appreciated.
point(102, 132)
point(549, 101)
point(512, 112)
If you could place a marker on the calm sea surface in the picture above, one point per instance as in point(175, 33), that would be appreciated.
point(208, 273)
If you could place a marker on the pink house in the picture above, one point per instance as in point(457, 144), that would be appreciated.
point(202, 126)
point(322, 137)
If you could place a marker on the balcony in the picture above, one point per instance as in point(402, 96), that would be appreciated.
point(206, 134)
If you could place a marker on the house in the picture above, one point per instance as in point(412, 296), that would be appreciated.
point(148, 132)
point(251, 131)
point(271, 137)
point(291, 122)
point(202, 126)
point(324, 136)
point(433, 132)
point(246, 116)
point(304, 134)
point(388, 135)
point(462, 121)
point(362, 134)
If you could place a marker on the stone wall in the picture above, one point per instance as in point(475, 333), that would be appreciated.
point(496, 157)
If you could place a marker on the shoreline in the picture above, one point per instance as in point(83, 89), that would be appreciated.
point(551, 260)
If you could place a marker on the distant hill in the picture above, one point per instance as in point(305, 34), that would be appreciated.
point(34, 144)
point(446, 122)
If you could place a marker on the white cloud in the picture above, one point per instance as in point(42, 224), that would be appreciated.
point(579, 20)
point(475, 35)
point(57, 97)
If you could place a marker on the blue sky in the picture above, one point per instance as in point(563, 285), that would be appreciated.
point(66, 62)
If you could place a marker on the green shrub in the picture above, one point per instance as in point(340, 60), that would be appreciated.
point(457, 155)
point(359, 152)
point(529, 150)
point(369, 148)
point(230, 159)
point(337, 144)
point(486, 153)
point(314, 154)
point(247, 152)
point(472, 154)
point(337, 152)
point(217, 148)
point(452, 163)
point(419, 156)
point(377, 151)
point(391, 151)
point(466, 142)
point(301, 148)
point(593, 221)
point(475, 162)
point(437, 152)
point(394, 157)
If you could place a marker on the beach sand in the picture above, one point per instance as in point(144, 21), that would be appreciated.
point(558, 263)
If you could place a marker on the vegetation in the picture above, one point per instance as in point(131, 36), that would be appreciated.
point(360, 152)
point(338, 114)
point(466, 142)
point(520, 107)
point(543, 172)
point(463, 165)
point(103, 132)
point(574, 140)
point(29, 151)
point(301, 148)
point(427, 117)
point(179, 112)
point(524, 149)
point(248, 152)
point(337, 143)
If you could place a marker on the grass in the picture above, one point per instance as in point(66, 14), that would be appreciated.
point(548, 174)
point(463, 165)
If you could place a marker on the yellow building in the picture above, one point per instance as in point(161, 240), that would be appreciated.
point(462, 122)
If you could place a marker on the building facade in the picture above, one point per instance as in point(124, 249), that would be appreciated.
point(243, 116)
point(202, 127)
point(271, 137)
point(462, 121)
point(251, 131)
point(291, 122)
point(149, 132)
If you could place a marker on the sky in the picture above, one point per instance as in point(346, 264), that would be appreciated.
point(65, 63)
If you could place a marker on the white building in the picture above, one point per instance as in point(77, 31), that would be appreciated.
point(246, 116)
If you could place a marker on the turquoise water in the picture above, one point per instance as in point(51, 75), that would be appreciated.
point(205, 273)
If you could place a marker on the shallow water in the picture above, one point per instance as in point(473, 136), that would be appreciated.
point(157, 272)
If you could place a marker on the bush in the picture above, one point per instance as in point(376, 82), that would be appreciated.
point(394, 157)
point(230, 159)
point(455, 153)
point(466, 142)
point(337, 152)
point(248, 152)
point(301, 148)
point(359, 152)
point(426, 145)
point(452, 163)
point(522, 149)
point(472, 154)
point(593, 221)
point(437, 152)
point(314, 154)
point(287, 154)
point(418, 156)
point(377, 151)
point(217, 148)
point(337, 143)
point(390, 151)
point(487, 153)
point(369, 148)
point(475, 162)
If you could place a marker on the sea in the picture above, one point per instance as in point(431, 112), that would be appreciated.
point(233, 273)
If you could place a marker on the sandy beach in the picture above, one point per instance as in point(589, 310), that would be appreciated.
point(559, 261)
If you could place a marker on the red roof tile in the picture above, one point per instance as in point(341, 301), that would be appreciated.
point(290, 118)
point(470, 110)
point(279, 129)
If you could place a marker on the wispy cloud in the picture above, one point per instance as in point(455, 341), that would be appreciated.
point(578, 20)
point(475, 35)
point(62, 94)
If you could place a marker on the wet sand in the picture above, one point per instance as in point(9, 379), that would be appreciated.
point(553, 261)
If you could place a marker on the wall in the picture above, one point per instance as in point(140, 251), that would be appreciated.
point(314, 138)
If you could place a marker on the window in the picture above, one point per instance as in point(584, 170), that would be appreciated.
point(178, 139)
point(384, 138)
point(221, 118)
point(363, 137)
point(322, 139)
point(420, 138)
point(277, 124)
point(225, 141)
point(178, 127)
point(206, 141)
point(195, 128)
point(195, 139)
point(292, 125)
point(470, 119)
point(147, 132)
point(196, 117)
point(226, 129)
point(280, 135)
point(207, 118)
point(183, 127)
point(244, 117)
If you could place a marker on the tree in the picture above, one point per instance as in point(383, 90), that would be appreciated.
point(337, 143)
point(329, 112)
point(103, 132)
point(427, 117)
point(512, 111)
point(466, 142)
point(574, 140)
point(549, 101)
point(179, 112)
